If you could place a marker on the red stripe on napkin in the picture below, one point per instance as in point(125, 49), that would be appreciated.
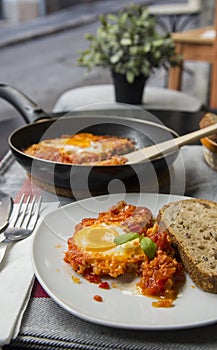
point(28, 188)
point(38, 291)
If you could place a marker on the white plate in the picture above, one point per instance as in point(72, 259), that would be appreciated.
point(120, 308)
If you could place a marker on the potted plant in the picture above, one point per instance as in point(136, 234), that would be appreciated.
point(130, 46)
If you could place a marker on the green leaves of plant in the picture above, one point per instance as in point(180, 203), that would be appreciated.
point(146, 243)
point(115, 58)
point(130, 76)
point(128, 43)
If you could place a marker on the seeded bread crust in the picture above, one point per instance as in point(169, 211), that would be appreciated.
point(192, 224)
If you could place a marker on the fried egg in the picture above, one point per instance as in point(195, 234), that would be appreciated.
point(100, 239)
point(75, 144)
point(94, 147)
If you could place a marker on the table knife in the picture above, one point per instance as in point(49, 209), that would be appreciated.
point(6, 206)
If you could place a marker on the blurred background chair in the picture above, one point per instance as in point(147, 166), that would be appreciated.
point(97, 96)
point(197, 45)
point(176, 16)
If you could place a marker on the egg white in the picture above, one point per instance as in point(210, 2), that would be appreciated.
point(61, 143)
point(123, 249)
point(95, 147)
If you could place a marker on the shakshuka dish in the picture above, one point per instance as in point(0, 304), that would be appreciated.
point(83, 148)
point(126, 239)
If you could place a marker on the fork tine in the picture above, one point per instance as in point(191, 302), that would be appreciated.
point(16, 214)
point(26, 217)
point(34, 217)
point(26, 214)
point(24, 211)
point(29, 213)
point(38, 207)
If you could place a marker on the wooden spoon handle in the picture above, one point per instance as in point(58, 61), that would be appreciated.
point(168, 146)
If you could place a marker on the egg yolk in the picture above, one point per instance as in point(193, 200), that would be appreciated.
point(81, 140)
point(78, 143)
point(96, 238)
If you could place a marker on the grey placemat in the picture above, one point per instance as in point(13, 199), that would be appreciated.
point(48, 326)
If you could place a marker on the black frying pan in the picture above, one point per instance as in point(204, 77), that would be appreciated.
point(83, 181)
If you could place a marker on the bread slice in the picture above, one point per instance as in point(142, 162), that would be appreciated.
point(207, 120)
point(192, 224)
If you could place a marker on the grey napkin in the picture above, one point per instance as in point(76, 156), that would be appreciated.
point(201, 180)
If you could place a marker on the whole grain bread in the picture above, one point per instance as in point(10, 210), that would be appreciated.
point(207, 120)
point(192, 224)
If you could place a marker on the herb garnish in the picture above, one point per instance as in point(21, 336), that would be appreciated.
point(146, 243)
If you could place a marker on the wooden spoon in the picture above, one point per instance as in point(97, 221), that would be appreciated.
point(165, 147)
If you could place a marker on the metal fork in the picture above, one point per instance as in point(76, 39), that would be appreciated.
point(22, 223)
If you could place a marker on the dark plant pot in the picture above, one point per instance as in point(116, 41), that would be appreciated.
point(128, 92)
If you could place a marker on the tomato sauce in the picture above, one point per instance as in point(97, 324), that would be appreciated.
point(160, 277)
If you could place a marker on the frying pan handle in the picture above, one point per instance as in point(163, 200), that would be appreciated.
point(29, 110)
